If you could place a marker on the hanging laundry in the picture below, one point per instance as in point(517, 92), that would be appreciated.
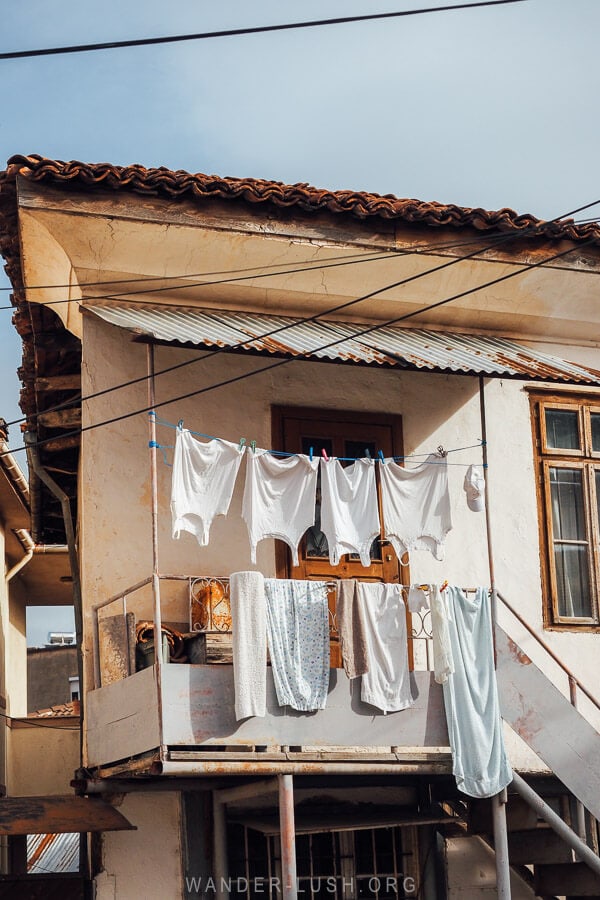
point(249, 642)
point(416, 505)
point(349, 515)
point(387, 683)
point(480, 764)
point(279, 498)
point(417, 599)
point(443, 661)
point(351, 629)
point(298, 636)
point(202, 483)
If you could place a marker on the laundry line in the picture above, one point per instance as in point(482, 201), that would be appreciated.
point(441, 451)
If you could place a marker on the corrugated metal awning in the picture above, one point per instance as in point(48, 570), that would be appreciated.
point(389, 346)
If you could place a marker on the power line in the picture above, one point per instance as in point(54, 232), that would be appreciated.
point(315, 317)
point(306, 354)
point(261, 271)
point(235, 32)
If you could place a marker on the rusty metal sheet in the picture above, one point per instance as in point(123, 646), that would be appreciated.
point(389, 346)
point(116, 638)
point(54, 815)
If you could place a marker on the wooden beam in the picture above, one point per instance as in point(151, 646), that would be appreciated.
point(58, 444)
point(61, 418)
point(59, 815)
point(59, 382)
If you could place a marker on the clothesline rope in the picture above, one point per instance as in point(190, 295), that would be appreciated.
point(209, 437)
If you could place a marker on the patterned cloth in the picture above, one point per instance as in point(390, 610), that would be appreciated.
point(298, 637)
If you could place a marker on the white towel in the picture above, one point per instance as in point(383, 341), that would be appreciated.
point(443, 662)
point(387, 683)
point(249, 639)
point(480, 764)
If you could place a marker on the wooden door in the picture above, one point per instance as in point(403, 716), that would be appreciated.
point(345, 435)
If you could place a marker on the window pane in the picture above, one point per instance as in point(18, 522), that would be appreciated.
point(572, 580)
point(562, 430)
point(568, 521)
point(595, 417)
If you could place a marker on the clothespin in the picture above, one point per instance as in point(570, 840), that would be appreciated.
point(381, 457)
point(241, 444)
point(310, 453)
point(324, 454)
point(444, 586)
point(367, 453)
point(253, 446)
point(441, 452)
point(180, 425)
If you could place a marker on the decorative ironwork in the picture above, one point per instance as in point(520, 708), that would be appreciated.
point(210, 608)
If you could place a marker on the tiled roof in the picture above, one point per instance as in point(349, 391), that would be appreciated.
point(60, 711)
point(164, 182)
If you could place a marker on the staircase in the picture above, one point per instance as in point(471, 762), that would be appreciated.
point(570, 746)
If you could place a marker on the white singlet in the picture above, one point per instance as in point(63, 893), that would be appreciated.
point(349, 515)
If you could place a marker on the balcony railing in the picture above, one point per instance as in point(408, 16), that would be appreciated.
point(196, 626)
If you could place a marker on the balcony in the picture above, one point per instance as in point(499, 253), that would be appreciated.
point(175, 714)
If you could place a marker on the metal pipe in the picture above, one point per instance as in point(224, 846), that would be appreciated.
point(154, 508)
point(579, 807)
point(20, 565)
point(220, 863)
point(501, 844)
point(287, 836)
point(499, 801)
point(556, 823)
point(285, 767)
point(247, 791)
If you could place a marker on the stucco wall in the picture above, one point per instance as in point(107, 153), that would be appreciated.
point(145, 864)
point(435, 409)
point(42, 758)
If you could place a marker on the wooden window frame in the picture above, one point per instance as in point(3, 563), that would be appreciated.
point(586, 460)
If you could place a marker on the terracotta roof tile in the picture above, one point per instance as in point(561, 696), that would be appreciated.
point(180, 184)
point(60, 711)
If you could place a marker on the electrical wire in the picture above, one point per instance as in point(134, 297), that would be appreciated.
point(313, 318)
point(236, 32)
point(260, 271)
point(306, 354)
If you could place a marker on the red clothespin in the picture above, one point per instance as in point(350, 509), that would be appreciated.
point(324, 454)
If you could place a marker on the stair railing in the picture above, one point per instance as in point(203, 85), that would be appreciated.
point(574, 685)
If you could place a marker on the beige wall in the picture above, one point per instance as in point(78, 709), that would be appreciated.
point(144, 864)
point(42, 758)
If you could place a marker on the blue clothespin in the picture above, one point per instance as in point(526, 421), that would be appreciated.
point(367, 453)
point(180, 425)
point(310, 453)
point(241, 443)
point(253, 446)
point(381, 457)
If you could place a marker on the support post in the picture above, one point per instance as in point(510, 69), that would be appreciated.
point(158, 643)
point(499, 801)
point(288, 837)
point(219, 848)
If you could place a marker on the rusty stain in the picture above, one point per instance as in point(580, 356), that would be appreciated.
point(518, 654)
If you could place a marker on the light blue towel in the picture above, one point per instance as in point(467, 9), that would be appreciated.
point(480, 764)
point(298, 636)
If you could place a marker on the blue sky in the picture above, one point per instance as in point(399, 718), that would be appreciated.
point(486, 107)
